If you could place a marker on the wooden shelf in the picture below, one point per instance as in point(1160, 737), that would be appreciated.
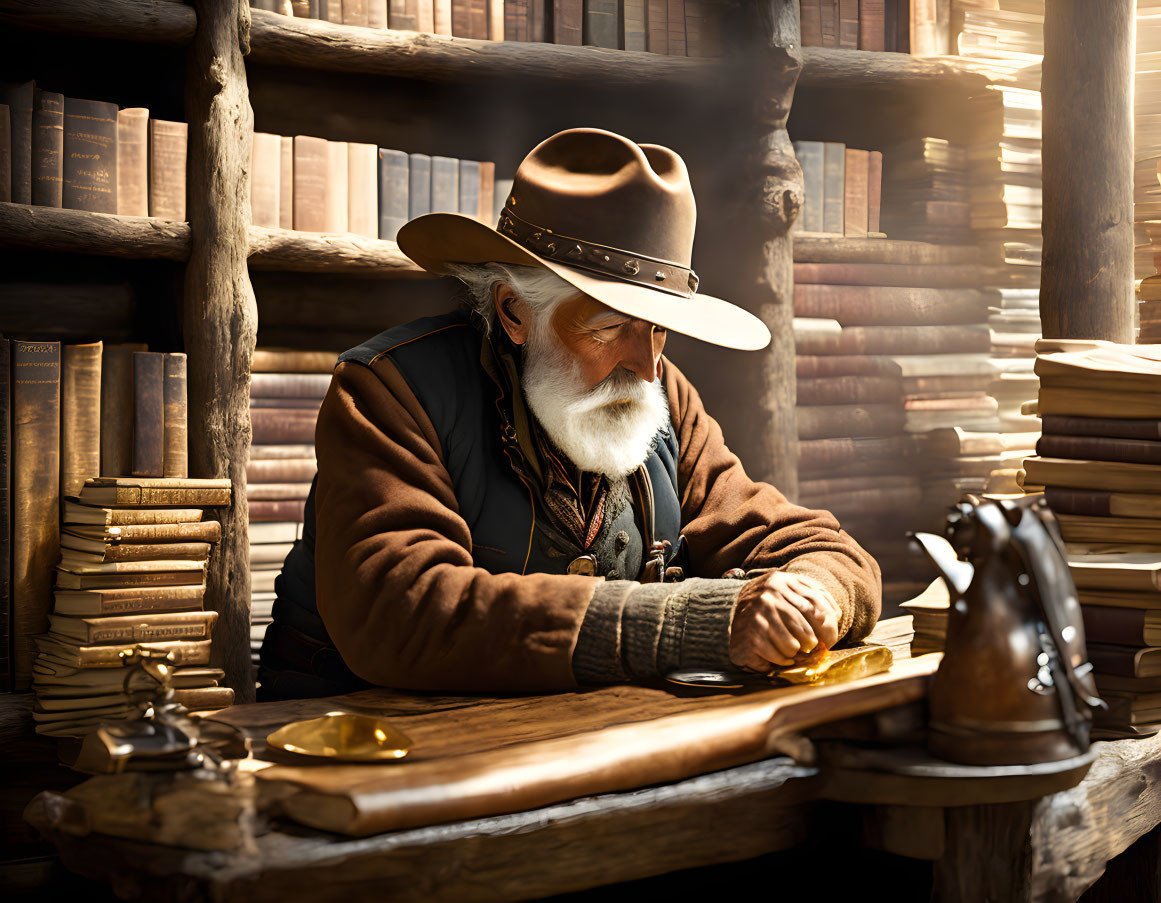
point(313, 44)
point(832, 67)
point(152, 21)
point(320, 252)
point(81, 232)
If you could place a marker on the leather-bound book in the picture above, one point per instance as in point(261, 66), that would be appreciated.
point(282, 425)
point(285, 182)
point(1125, 661)
point(445, 185)
point(305, 9)
point(5, 514)
point(337, 187)
point(363, 189)
point(848, 390)
point(888, 274)
point(162, 535)
point(833, 186)
point(101, 602)
point(35, 494)
point(127, 574)
point(855, 193)
point(310, 183)
point(810, 158)
point(1096, 503)
point(1099, 448)
point(461, 18)
point(898, 340)
point(274, 492)
point(495, 20)
point(872, 16)
point(517, 20)
point(827, 421)
point(145, 492)
point(418, 185)
point(426, 16)
point(874, 189)
point(275, 360)
point(18, 98)
point(175, 429)
point(487, 193)
point(355, 12)
point(152, 628)
point(77, 515)
point(377, 14)
point(148, 414)
point(540, 21)
point(442, 16)
point(285, 470)
point(394, 181)
point(332, 11)
point(829, 19)
point(167, 146)
point(81, 550)
point(811, 23)
point(117, 409)
point(189, 652)
point(265, 171)
point(502, 192)
point(657, 26)
point(1110, 476)
point(1110, 427)
point(478, 19)
point(90, 155)
point(870, 305)
point(133, 161)
point(676, 18)
point(403, 15)
point(469, 201)
point(80, 416)
point(602, 23)
point(5, 153)
point(47, 148)
point(633, 25)
point(832, 454)
point(568, 22)
point(286, 510)
point(848, 27)
point(891, 12)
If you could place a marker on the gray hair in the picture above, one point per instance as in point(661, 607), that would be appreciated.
point(541, 289)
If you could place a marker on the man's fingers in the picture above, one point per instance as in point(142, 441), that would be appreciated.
point(796, 623)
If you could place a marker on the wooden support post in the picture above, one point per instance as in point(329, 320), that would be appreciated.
point(779, 178)
point(220, 315)
point(1086, 284)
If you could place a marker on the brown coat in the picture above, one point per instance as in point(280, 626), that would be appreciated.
point(404, 604)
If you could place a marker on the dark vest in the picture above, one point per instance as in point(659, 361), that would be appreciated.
point(440, 359)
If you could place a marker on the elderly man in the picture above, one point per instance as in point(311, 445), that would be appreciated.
point(509, 499)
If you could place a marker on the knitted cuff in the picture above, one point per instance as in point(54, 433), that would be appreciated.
point(633, 630)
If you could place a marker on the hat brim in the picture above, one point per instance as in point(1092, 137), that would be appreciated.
point(436, 240)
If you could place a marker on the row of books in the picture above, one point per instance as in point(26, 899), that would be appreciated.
point(69, 413)
point(862, 24)
point(58, 151)
point(315, 185)
point(133, 555)
point(673, 27)
point(1099, 466)
point(843, 188)
point(286, 390)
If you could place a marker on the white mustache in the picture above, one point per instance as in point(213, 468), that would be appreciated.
point(618, 387)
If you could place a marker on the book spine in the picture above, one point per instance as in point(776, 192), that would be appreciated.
point(19, 99)
point(461, 18)
point(337, 187)
point(503, 192)
point(863, 305)
point(834, 186)
point(265, 189)
point(426, 15)
point(1116, 660)
point(811, 23)
point(99, 634)
point(274, 425)
point(116, 409)
point(355, 13)
point(5, 154)
point(291, 510)
point(47, 149)
point(133, 162)
point(35, 494)
point(418, 185)
point(181, 531)
point(332, 11)
point(90, 155)
point(601, 23)
point(5, 514)
point(80, 416)
point(495, 20)
point(568, 22)
point(832, 421)
point(172, 551)
point(888, 276)
point(855, 196)
point(363, 197)
point(394, 203)
point(898, 340)
point(1108, 427)
point(479, 19)
point(843, 485)
point(1099, 448)
point(810, 158)
point(286, 183)
point(825, 454)
point(310, 183)
point(848, 390)
point(148, 414)
point(172, 497)
point(176, 460)
point(130, 601)
point(848, 27)
point(445, 185)
point(403, 15)
point(195, 652)
point(657, 26)
point(289, 385)
point(469, 200)
point(167, 151)
point(829, 22)
point(270, 361)
point(1087, 502)
point(487, 193)
point(516, 20)
point(809, 365)
point(204, 698)
point(442, 17)
point(675, 15)
point(872, 25)
point(874, 189)
point(275, 492)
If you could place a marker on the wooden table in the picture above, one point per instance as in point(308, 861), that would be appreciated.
point(997, 837)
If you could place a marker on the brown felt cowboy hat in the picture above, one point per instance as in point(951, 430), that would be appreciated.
point(609, 216)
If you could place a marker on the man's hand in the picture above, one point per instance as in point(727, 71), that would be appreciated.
point(780, 619)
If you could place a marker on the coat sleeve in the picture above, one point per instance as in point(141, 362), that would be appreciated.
point(732, 521)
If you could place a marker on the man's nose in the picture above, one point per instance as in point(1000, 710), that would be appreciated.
point(642, 352)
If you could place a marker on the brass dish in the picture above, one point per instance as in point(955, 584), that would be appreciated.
point(346, 736)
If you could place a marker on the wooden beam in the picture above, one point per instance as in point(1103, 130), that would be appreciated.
point(831, 67)
point(317, 252)
point(314, 44)
point(220, 317)
point(1086, 282)
point(81, 232)
point(152, 21)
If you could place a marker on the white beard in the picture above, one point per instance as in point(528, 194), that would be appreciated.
point(608, 429)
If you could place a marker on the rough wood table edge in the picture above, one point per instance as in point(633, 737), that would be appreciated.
point(147, 21)
point(319, 252)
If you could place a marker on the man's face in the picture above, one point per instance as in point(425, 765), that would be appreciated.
point(602, 339)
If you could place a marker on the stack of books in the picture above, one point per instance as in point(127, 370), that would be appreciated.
point(286, 390)
point(673, 27)
point(1099, 461)
point(928, 195)
point(895, 633)
point(1006, 35)
point(843, 188)
point(133, 555)
point(89, 155)
point(929, 613)
point(315, 185)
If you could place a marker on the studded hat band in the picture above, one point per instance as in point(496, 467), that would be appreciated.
point(600, 259)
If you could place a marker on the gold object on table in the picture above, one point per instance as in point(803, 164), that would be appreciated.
point(840, 665)
point(347, 736)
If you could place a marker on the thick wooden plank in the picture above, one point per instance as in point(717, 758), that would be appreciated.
point(832, 67)
point(153, 21)
point(1086, 282)
point(81, 232)
point(220, 315)
point(315, 44)
point(817, 248)
point(316, 252)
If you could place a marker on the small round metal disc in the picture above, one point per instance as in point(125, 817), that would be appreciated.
point(700, 677)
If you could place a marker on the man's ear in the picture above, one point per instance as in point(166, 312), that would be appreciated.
point(512, 313)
